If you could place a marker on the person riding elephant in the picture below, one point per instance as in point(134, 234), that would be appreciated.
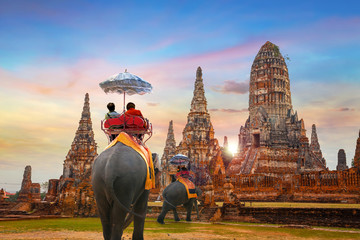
point(121, 181)
point(176, 194)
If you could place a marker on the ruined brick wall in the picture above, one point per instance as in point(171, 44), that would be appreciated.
point(330, 217)
point(29, 192)
point(53, 189)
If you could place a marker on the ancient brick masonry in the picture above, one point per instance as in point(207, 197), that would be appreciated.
point(29, 192)
point(341, 161)
point(198, 142)
point(357, 154)
point(169, 151)
point(75, 195)
point(273, 140)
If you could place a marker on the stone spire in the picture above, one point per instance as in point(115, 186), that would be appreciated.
point(226, 144)
point(357, 153)
point(83, 150)
point(76, 196)
point(198, 142)
point(314, 145)
point(341, 161)
point(170, 145)
point(198, 103)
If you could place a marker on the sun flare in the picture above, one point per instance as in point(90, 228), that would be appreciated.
point(233, 148)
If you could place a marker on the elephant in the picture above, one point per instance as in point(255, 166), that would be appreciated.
point(175, 194)
point(118, 180)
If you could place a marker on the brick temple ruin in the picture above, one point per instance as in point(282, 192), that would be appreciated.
point(73, 192)
point(276, 161)
point(198, 142)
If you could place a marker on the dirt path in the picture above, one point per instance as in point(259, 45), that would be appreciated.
point(234, 234)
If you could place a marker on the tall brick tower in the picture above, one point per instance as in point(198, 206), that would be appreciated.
point(273, 140)
point(357, 153)
point(75, 192)
point(169, 152)
point(198, 142)
point(269, 83)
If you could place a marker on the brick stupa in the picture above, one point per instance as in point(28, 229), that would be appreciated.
point(273, 140)
point(357, 153)
point(75, 195)
point(198, 142)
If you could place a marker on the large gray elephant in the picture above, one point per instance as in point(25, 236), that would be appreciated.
point(118, 179)
point(175, 194)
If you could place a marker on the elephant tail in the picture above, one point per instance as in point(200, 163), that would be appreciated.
point(165, 200)
point(110, 188)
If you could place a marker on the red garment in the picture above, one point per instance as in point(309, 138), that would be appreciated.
point(133, 111)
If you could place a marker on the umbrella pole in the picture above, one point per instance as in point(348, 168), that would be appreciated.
point(124, 102)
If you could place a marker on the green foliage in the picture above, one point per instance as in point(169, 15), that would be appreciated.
point(276, 50)
point(13, 198)
point(44, 186)
point(287, 58)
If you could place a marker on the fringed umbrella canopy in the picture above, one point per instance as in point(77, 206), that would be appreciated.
point(179, 159)
point(126, 83)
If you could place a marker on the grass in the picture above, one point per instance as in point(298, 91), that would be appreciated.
point(56, 224)
point(284, 205)
point(213, 231)
point(294, 205)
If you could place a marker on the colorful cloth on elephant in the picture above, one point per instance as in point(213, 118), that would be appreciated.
point(144, 152)
point(190, 187)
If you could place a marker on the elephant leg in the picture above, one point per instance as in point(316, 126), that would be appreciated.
point(188, 206)
point(176, 216)
point(104, 210)
point(165, 208)
point(140, 208)
point(118, 220)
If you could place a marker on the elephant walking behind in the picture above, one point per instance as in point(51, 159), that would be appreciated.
point(175, 194)
point(118, 179)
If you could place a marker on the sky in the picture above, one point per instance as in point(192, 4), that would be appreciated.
point(54, 52)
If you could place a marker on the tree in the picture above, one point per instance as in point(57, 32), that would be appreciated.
point(44, 187)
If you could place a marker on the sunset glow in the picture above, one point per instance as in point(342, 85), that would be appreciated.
point(54, 52)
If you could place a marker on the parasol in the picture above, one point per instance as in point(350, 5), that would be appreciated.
point(126, 83)
point(179, 159)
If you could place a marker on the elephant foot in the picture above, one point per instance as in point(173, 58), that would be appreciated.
point(188, 219)
point(160, 220)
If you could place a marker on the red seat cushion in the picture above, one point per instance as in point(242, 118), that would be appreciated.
point(126, 121)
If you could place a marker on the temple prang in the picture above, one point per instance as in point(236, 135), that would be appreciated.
point(357, 153)
point(273, 140)
point(341, 165)
point(169, 151)
point(74, 193)
point(198, 141)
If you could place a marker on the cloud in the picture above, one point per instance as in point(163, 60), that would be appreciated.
point(153, 104)
point(230, 86)
point(229, 110)
point(343, 109)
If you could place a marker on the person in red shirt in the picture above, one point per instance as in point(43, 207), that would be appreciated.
point(130, 107)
